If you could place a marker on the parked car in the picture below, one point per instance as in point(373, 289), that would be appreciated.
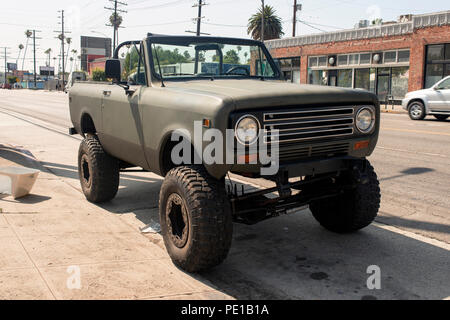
point(6, 86)
point(433, 101)
point(324, 136)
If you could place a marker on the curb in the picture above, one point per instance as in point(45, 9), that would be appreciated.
point(393, 111)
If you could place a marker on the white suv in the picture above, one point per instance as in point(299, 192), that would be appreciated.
point(434, 101)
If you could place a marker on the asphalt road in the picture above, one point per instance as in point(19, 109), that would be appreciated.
point(412, 161)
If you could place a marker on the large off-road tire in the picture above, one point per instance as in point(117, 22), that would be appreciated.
point(196, 219)
point(353, 210)
point(441, 117)
point(98, 171)
point(416, 110)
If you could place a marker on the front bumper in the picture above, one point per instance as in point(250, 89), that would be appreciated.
point(405, 103)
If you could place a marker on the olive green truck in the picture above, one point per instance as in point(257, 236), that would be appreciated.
point(318, 140)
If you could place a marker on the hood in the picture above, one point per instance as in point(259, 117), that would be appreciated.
point(418, 92)
point(250, 94)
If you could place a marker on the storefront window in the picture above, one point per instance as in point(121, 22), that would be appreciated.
point(434, 74)
point(342, 60)
point(403, 56)
point(399, 82)
point(315, 76)
point(435, 52)
point(390, 57)
point(345, 78)
point(364, 58)
point(323, 61)
point(313, 62)
point(362, 79)
point(353, 59)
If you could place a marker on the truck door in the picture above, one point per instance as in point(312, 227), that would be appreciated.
point(121, 117)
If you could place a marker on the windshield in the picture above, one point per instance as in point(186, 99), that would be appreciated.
point(186, 59)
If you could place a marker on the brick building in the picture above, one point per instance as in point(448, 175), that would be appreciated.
point(389, 60)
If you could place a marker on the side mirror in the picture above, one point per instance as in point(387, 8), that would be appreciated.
point(113, 69)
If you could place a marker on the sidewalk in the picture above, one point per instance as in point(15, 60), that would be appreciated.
point(392, 109)
point(50, 235)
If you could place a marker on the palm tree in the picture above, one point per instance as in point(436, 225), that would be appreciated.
point(28, 34)
point(273, 28)
point(48, 52)
point(20, 51)
point(116, 20)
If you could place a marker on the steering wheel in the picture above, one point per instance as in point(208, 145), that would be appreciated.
point(247, 72)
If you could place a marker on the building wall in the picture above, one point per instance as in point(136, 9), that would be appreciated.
point(415, 41)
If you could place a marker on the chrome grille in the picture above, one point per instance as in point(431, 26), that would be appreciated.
point(323, 150)
point(309, 124)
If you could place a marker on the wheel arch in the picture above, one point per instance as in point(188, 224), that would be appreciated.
point(422, 100)
point(165, 151)
point(87, 124)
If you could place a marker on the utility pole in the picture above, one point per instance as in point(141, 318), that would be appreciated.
point(116, 10)
point(34, 58)
point(199, 18)
point(262, 21)
point(297, 7)
point(6, 62)
point(62, 38)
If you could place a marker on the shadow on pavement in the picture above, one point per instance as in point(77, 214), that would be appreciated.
point(292, 257)
point(414, 224)
point(409, 172)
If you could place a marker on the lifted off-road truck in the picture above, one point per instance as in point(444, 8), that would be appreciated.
point(171, 83)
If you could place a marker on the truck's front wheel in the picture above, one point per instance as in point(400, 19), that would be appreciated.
point(196, 220)
point(98, 171)
point(354, 209)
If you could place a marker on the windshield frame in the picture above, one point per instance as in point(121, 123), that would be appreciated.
point(183, 40)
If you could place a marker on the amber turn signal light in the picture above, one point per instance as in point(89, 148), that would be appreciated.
point(361, 145)
point(248, 159)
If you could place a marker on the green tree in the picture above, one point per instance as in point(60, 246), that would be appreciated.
point(98, 75)
point(12, 80)
point(273, 27)
point(170, 57)
point(231, 57)
point(187, 55)
point(131, 62)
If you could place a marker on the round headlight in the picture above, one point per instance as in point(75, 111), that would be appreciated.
point(365, 120)
point(247, 130)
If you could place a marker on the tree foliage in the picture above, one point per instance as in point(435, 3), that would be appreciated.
point(231, 57)
point(98, 75)
point(273, 27)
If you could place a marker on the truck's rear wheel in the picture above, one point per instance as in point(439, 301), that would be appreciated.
point(353, 210)
point(98, 171)
point(196, 220)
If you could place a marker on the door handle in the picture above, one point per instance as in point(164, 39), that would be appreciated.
point(107, 93)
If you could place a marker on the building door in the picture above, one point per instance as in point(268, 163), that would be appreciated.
point(383, 83)
point(332, 78)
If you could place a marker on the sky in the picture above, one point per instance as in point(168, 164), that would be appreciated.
point(221, 18)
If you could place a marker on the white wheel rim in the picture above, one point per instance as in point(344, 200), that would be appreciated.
point(416, 111)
